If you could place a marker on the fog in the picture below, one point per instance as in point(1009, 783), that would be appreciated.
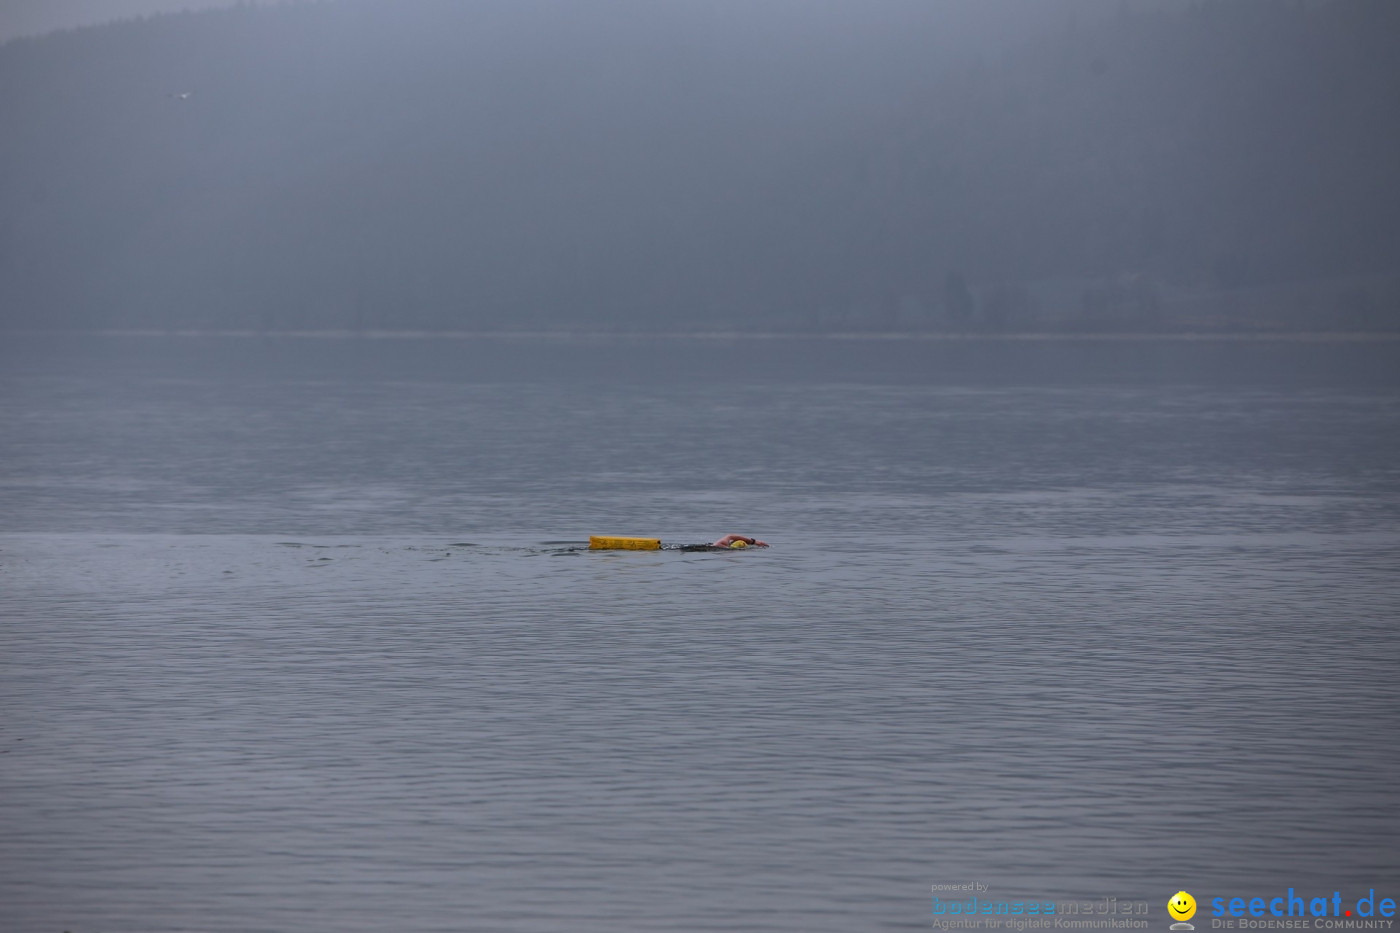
point(35, 17)
point(785, 166)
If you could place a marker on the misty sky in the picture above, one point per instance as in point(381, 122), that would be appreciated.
point(32, 17)
point(637, 164)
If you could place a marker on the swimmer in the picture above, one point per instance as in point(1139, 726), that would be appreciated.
point(739, 541)
point(727, 543)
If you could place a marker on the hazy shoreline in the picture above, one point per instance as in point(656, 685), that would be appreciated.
point(730, 335)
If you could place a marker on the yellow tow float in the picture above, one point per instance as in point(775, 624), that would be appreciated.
point(611, 543)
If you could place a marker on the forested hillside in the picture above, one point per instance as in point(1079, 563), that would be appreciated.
point(525, 164)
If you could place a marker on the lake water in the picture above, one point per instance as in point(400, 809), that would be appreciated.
point(296, 636)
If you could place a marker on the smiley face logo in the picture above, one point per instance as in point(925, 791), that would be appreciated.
point(1182, 906)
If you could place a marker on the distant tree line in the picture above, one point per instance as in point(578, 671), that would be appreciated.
point(529, 164)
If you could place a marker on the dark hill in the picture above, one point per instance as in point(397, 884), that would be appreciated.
point(508, 164)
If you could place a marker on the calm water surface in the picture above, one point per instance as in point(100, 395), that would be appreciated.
point(305, 652)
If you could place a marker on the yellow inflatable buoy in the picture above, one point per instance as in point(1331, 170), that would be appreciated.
point(611, 543)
